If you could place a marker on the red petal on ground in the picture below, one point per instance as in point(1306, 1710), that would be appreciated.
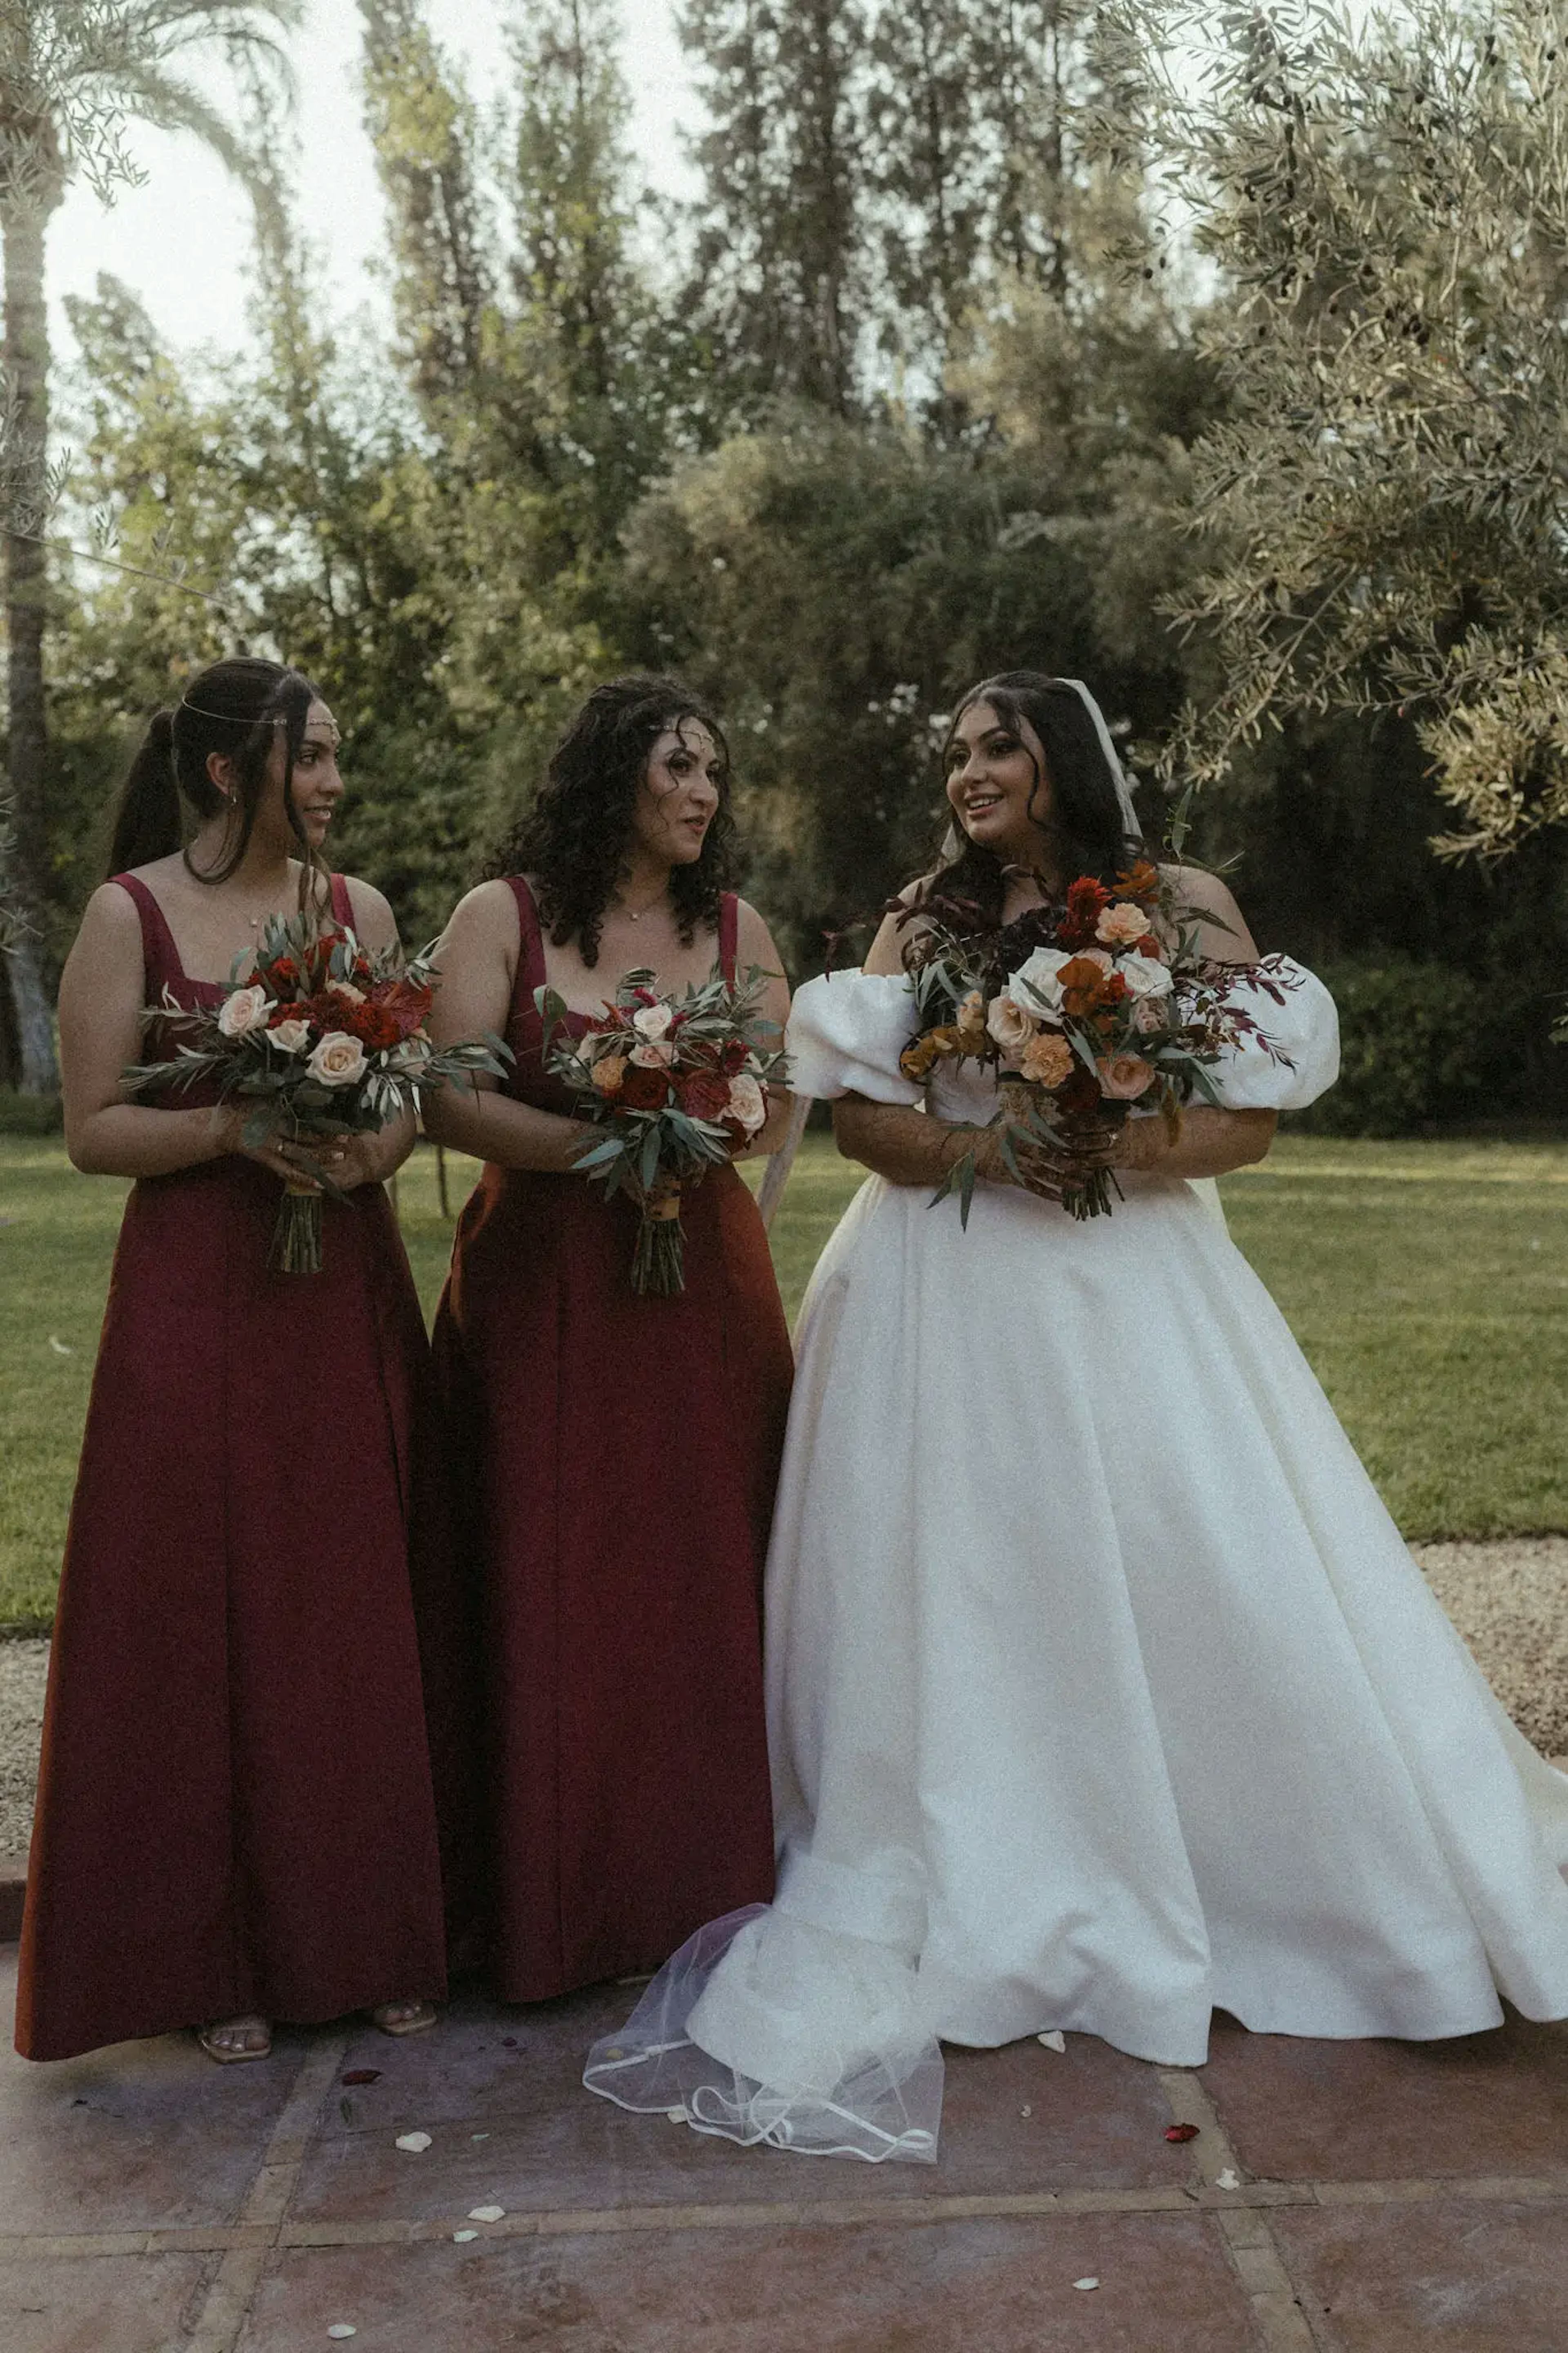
point(362, 2075)
point(1181, 2132)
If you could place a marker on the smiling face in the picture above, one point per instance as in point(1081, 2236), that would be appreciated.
point(997, 783)
point(316, 786)
point(679, 796)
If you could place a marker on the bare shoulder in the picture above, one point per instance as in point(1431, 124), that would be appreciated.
point(111, 921)
point(752, 932)
point(373, 918)
point(1223, 927)
point(485, 921)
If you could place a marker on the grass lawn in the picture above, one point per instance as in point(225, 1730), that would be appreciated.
point(1428, 1283)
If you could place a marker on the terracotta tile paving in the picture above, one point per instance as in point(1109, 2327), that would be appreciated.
point(1441, 2278)
point(1492, 2103)
point(1384, 2196)
point(1004, 2286)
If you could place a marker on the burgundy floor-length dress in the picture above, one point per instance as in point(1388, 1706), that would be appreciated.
point(615, 1459)
point(235, 1810)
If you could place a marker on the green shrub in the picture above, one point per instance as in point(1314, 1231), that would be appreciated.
point(1414, 1048)
point(29, 1115)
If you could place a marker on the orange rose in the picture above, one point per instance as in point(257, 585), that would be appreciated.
point(608, 1073)
point(1125, 1077)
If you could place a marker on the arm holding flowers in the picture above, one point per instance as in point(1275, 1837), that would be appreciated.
point(753, 945)
point(369, 1158)
point(101, 993)
point(1211, 1142)
point(907, 1145)
point(476, 956)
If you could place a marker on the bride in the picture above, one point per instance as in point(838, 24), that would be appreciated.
point(1102, 1689)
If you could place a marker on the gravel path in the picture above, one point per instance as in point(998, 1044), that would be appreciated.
point(1510, 1602)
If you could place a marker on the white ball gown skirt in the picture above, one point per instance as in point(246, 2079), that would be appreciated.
point(1102, 1689)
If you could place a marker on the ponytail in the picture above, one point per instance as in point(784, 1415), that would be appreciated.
point(234, 710)
point(147, 814)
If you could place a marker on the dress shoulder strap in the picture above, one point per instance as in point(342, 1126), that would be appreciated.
point(160, 957)
point(342, 905)
point(728, 932)
point(531, 972)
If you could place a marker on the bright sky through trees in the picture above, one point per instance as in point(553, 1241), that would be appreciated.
point(182, 242)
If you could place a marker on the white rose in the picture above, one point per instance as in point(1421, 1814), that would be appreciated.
point(338, 1060)
point(1009, 1024)
point(1144, 976)
point(747, 1103)
point(243, 1010)
point(289, 1037)
point(654, 1053)
point(651, 1021)
point(1037, 982)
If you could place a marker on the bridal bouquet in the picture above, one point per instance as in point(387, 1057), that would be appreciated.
point(679, 1083)
point(1085, 1011)
point(323, 1038)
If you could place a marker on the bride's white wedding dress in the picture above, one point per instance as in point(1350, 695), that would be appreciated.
point(1102, 1689)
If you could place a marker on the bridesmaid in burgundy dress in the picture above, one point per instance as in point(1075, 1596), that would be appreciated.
point(235, 1818)
point(614, 1456)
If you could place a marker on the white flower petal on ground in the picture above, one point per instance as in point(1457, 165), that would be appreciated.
point(343, 2328)
point(461, 2238)
point(1229, 2179)
point(679, 2115)
point(1086, 2283)
point(486, 2213)
point(1055, 2041)
point(59, 1348)
point(414, 2142)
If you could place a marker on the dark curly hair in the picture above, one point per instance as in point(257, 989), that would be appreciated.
point(1084, 833)
point(572, 839)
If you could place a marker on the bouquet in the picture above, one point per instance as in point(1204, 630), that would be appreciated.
point(323, 1038)
point(1086, 1010)
point(679, 1083)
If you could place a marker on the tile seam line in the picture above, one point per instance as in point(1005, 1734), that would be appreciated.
point(1256, 2258)
point(226, 2308)
point(1259, 2196)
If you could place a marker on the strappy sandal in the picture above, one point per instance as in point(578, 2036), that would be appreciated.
point(223, 2054)
point(414, 2017)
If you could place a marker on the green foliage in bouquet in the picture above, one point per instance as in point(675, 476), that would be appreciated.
point(679, 1083)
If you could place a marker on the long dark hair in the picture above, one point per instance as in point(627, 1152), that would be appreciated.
point(573, 837)
point(236, 708)
point(1084, 832)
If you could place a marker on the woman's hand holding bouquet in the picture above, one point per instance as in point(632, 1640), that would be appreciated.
point(1085, 1011)
point(321, 1045)
point(679, 1084)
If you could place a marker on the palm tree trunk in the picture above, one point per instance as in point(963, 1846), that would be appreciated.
point(26, 364)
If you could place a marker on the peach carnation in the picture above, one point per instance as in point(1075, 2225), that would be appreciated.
point(1048, 1060)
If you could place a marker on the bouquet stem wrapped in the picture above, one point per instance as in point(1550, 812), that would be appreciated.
point(658, 1263)
point(679, 1084)
point(296, 1237)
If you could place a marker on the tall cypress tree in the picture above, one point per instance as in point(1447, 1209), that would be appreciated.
point(780, 261)
point(421, 125)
